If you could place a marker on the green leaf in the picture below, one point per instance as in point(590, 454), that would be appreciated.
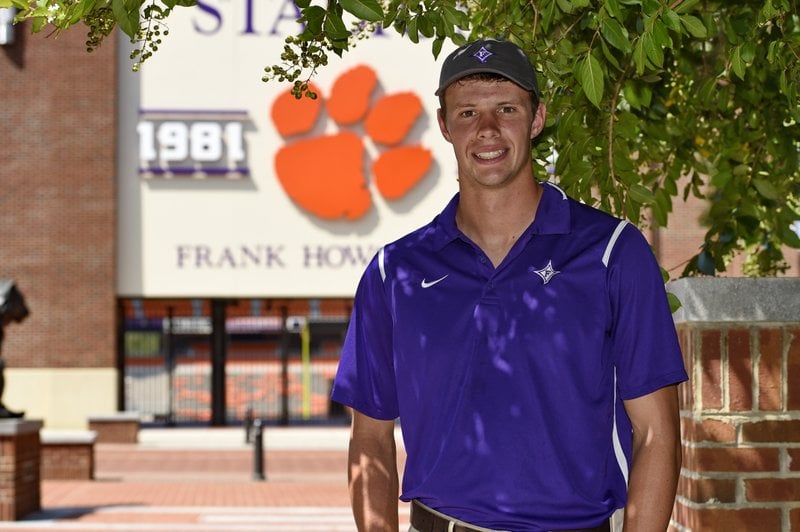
point(314, 17)
point(674, 302)
point(612, 7)
point(661, 36)
point(694, 26)
point(670, 186)
point(639, 56)
point(302, 4)
point(747, 210)
point(768, 11)
point(426, 26)
point(436, 47)
point(737, 64)
point(772, 49)
point(654, 52)
point(641, 194)
point(38, 24)
point(659, 214)
point(664, 203)
point(748, 52)
point(565, 6)
point(369, 10)
point(128, 21)
point(591, 78)
point(609, 56)
point(650, 7)
point(629, 92)
point(335, 28)
point(671, 20)
point(664, 274)
point(615, 35)
point(411, 30)
point(766, 189)
point(789, 237)
point(455, 17)
point(391, 14)
point(686, 6)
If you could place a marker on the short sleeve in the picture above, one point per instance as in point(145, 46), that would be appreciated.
point(365, 378)
point(646, 351)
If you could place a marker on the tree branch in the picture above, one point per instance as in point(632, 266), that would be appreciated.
point(535, 20)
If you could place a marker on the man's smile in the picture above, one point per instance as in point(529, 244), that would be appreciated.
point(489, 155)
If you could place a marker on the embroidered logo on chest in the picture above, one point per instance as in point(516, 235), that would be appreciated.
point(547, 273)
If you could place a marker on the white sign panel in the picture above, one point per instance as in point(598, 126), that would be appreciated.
point(229, 187)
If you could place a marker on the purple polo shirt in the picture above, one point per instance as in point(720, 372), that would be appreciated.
point(509, 381)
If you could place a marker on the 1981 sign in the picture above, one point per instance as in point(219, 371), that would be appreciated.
point(192, 144)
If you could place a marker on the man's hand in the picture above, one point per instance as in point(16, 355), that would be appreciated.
point(372, 474)
point(656, 460)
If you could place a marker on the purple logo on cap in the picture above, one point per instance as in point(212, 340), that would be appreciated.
point(482, 55)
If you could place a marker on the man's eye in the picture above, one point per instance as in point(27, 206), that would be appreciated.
point(467, 114)
point(508, 109)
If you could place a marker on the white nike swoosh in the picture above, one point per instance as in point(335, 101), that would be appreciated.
point(428, 284)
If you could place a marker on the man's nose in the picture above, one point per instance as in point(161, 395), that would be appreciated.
point(488, 125)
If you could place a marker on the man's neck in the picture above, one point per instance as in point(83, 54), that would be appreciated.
point(495, 219)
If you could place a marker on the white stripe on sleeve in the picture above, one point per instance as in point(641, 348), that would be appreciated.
point(381, 265)
point(622, 460)
point(610, 246)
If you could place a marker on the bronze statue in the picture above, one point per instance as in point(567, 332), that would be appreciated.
point(12, 308)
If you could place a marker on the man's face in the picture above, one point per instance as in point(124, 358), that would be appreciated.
point(490, 124)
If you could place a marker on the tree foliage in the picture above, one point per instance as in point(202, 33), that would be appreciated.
point(649, 100)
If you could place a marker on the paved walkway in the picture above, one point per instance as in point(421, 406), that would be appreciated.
point(202, 480)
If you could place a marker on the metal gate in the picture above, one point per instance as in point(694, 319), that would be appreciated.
point(279, 360)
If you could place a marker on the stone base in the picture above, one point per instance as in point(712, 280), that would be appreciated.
point(122, 427)
point(20, 451)
point(67, 455)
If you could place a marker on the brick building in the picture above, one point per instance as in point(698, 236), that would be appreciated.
point(58, 214)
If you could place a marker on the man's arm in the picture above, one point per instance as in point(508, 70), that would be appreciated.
point(656, 460)
point(372, 474)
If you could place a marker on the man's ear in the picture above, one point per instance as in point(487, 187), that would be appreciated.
point(538, 120)
point(443, 125)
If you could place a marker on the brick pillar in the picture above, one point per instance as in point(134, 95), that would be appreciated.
point(740, 411)
point(19, 468)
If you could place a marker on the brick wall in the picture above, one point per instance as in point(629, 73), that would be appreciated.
point(741, 410)
point(58, 197)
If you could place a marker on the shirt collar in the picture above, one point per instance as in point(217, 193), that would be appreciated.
point(552, 217)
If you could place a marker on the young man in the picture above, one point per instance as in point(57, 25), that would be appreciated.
point(523, 339)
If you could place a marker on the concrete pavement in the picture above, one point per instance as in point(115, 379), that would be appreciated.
point(202, 479)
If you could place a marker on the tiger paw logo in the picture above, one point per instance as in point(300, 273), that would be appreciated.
point(323, 173)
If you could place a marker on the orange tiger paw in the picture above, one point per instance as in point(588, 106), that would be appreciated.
point(324, 174)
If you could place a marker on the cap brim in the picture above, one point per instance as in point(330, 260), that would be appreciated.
point(464, 73)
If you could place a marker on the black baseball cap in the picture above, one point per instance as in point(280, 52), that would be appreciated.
point(489, 55)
